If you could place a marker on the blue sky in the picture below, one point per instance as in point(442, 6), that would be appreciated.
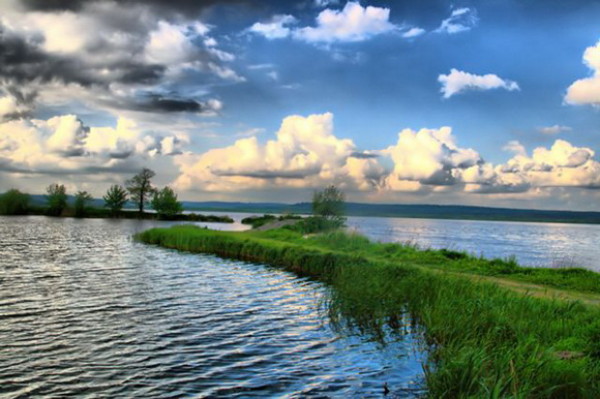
point(474, 102)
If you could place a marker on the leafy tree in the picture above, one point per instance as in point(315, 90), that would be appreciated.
point(81, 200)
point(56, 199)
point(115, 198)
point(329, 205)
point(165, 203)
point(140, 188)
point(14, 202)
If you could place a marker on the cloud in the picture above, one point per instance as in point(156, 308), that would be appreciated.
point(562, 165)
point(353, 23)
point(63, 144)
point(587, 91)
point(429, 156)
point(413, 32)
point(460, 20)
point(305, 153)
point(555, 129)
point(123, 54)
point(515, 147)
point(458, 81)
point(277, 27)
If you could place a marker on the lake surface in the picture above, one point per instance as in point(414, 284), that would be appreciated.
point(533, 244)
point(87, 312)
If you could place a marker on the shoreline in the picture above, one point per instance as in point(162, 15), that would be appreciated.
point(481, 331)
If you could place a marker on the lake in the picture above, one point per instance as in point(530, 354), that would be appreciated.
point(87, 312)
point(532, 244)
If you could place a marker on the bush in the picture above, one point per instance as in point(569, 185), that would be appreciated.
point(14, 202)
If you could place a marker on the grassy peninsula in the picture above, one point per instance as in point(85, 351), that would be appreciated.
point(493, 329)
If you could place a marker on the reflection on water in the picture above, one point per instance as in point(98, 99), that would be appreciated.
point(533, 244)
point(86, 312)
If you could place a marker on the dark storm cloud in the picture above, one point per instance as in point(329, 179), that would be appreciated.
point(22, 62)
point(180, 6)
point(363, 155)
point(158, 103)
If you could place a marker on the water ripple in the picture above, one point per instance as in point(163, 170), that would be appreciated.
point(86, 312)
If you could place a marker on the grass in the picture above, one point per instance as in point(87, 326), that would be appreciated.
point(485, 340)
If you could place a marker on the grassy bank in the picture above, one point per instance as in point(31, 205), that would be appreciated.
point(485, 340)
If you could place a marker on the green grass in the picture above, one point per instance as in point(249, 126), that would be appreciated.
point(484, 340)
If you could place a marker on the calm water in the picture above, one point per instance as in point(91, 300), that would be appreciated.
point(533, 244)
point(86, 312)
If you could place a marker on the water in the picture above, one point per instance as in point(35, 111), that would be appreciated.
point(533, 244)
point(87, 312)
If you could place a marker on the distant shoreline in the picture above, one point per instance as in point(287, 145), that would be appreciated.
point(98, 213)
point(566, 217)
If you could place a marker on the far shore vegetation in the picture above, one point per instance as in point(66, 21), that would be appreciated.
point(139, 191)
point(492, 328)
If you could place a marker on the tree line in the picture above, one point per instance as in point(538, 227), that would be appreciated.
point(139, 190)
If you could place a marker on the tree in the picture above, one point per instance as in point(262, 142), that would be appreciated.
point(115, 198)
point(140, 188)
point(14, 202)
point(81, 199)
point(165, 203)
point(330, 205)
point(56, 199)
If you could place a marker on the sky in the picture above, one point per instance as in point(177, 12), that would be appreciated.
point(491, 102)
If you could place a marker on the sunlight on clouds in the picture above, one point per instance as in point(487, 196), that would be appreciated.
point(587, 90)
point(65, 144)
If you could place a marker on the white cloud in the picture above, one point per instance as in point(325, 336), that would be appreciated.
point(515, 147)
point(458, 81)
point(561, 165)
point(353, 23)
point(460, 20)
point(554, 129)
point(305, 153)
point(429, 156)
point(587, 90)
point(413, 32)
point(64, 144)
point(276, 28)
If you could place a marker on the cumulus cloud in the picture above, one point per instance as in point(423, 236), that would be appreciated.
point(458, 81)
point(561, 165)
point(305, 153)
point(554, 129)
point(460, 20)
point(353, 23)
point(63, 144)
point(428, 156)
point(587, 91)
